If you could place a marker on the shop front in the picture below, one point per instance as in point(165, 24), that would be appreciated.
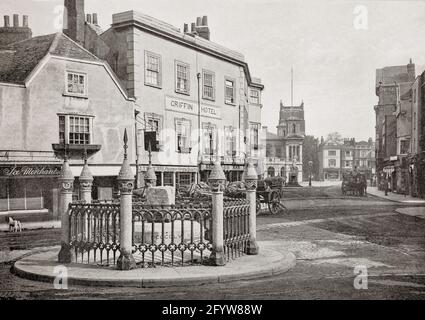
point(29, 188)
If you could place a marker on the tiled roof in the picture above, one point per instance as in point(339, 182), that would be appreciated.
point(19, 59)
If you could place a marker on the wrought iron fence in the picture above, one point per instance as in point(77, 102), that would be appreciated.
point(94, 232)
point(171, 235)
point(236, 227)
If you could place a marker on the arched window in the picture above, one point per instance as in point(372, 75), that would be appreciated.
point(283, 172)
point(271, 172)
point(294, 128)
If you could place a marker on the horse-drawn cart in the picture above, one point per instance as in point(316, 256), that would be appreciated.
point(270, 191)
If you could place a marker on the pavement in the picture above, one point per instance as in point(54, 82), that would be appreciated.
point(52, 224)
point(272, 260)
point(394, 196)
point(418, 212)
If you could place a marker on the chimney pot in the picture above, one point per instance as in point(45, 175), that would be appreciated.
point(16, 20)
point(7, 21)
point(186, 28)
point(95, 20)
point(88, 19)
point(25, 21)
point(192, 27)
point(205, 21)
point(198, 21)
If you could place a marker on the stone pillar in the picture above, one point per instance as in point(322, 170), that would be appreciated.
point(126, 185)
point(251, 178)
point(217, 181)
point(150, 178)
point(86, 183)
point(66, 187)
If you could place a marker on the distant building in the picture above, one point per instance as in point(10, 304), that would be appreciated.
point(284, 150)
point(393, 125)
point(339, 157)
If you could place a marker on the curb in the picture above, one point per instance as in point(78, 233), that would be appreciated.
point(286, 261)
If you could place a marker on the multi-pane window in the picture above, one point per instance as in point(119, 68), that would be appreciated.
point(153, 69)
point(255, 135)
point(208, 88)
point(185, 179)
point(76, 83)
point(209, 139)
point(168, 179)
point(183, 135)
point(182, 77)
point(332, 163)
point(62, 129)
point(254, 96)
point(153, 123)
point(74, 130)
point(230, 91)
point(230, 140)
point(332, 153)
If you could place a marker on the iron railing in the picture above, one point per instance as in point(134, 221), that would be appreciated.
point(235, 228)
point(94, 232)
point(171, 235)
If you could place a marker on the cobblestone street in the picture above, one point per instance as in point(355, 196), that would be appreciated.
point(329, 241)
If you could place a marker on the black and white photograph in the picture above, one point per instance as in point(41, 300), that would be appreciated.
point(212, 154)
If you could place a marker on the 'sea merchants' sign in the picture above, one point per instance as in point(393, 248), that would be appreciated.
point(28, 171)
point(190, 107)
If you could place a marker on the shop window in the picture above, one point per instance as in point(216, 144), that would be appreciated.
point(168, 179)
point(152, 69)
point(208, 91)
point(182, 78)
point(185, 179)
point(76, 83)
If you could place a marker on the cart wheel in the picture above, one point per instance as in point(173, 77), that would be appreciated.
point(274, 202)
point(258, 207)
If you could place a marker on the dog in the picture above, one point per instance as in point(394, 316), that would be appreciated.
point(14, 225)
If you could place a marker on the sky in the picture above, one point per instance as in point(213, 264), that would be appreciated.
point(333, 46)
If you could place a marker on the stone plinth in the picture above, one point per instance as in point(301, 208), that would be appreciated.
point(165, 196)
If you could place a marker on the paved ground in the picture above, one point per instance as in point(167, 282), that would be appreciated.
point(329, 240)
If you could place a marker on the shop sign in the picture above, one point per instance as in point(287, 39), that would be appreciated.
point(184, 106)
point(30, 171)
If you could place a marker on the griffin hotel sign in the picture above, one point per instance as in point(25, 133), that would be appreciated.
point(189, 107)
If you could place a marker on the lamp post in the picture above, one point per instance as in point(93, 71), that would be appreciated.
point(310, 169)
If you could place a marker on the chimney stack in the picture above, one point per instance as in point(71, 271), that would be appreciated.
point(192, 27)
point(11, 34)
point(205, 21)
point(95, 20)
point(74, 20)
point(88, 19)
point(16, 20)
point(6, 21)
point(25, 21)
point(202, 28)
point(185, 28)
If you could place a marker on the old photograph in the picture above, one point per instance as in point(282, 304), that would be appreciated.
point(212, 150)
